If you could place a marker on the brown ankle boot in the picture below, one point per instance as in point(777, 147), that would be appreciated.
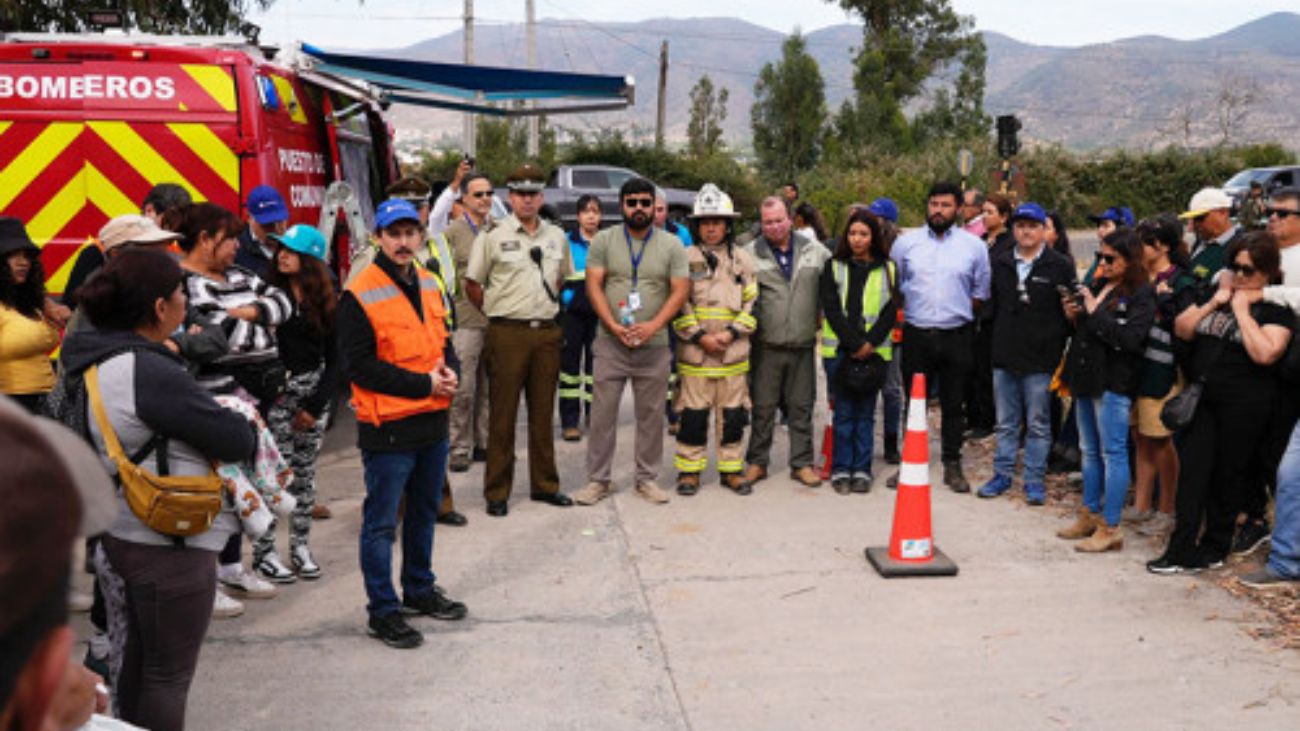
point(1105, 538)
point(1082, 527)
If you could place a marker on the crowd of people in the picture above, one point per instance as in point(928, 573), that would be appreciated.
point(202, 354)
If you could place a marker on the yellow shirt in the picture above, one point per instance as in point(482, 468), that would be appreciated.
point(25, 346)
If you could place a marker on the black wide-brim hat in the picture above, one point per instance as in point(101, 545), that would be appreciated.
point(13, 236)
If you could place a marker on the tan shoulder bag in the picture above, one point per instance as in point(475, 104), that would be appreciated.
point(171, 505)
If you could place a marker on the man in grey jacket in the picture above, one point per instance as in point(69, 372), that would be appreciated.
point(784, 364)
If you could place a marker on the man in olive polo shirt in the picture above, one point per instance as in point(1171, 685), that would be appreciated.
point(637, 280)
point(514, 276)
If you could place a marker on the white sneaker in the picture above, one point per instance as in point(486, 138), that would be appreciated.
point(303, 562)
point(225, 606)
point(592, 493)
point(245, 583)
point(273, 569)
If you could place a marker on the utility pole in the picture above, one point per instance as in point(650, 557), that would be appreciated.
point(663, 92)
point(469, 128)
point(533, 131)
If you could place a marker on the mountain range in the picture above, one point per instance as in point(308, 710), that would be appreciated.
point(1138, 92)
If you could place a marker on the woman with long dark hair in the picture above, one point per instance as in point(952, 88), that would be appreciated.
point(1235, 345)
point(1111, 320)
point(26, 335)
point(297, 419)
point(1164, 256)
point(858, 291)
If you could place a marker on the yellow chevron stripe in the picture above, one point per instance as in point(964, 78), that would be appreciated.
point(59, 281)
point(210, 149)
point(60, 209)
point(4, 126)
point(106, 196)
point(32, 161)
point(140, 155)
point(216, 81)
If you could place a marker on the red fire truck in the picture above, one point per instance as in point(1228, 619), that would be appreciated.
point(89, 123)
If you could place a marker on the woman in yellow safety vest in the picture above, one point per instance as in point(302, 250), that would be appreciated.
point(859, 301)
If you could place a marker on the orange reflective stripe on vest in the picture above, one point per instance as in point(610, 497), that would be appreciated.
point(402, 339)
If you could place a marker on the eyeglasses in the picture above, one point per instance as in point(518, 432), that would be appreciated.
point(483, 193)
point(1282, 213)
point(1244, 270)
point(1106, 258)
point(639, 202)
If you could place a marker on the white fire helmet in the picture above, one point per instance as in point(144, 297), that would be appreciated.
point(711, 202)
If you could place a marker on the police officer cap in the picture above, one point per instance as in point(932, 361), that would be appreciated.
point(410, 189)
point(526, 178)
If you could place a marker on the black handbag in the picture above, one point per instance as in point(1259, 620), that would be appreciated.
point(1178, 411)
point(858, 379)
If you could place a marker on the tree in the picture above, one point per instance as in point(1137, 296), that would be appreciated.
point(149, 16)
point(788, 112)
point(708, 112)
point(906, 44)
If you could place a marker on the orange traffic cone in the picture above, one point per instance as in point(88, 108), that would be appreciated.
point(911, 550)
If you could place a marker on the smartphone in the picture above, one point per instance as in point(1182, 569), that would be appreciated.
point(469, 159)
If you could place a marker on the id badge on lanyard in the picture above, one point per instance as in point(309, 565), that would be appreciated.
point(634, 296)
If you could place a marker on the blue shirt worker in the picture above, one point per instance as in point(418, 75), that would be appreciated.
point(578, 321)
point(267, 214)
point(393, 336)
point(943, 274)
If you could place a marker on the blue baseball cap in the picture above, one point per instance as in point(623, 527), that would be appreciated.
point(1121, 215)
point(266, 205)
point(1029, 212)
point(885, 208)
point(303, 239)
point(393, 210)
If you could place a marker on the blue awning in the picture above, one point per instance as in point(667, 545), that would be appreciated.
point(423, 82)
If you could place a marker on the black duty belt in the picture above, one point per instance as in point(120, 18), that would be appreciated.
point(534, 324)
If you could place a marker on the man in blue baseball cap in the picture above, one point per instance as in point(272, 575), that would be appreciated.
point(1029, 333)
point(267, 214)
point(393, 338)
point(885, 208)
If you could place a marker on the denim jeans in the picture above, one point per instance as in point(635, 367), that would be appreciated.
point(853, 423)
point(418, 474)
point(1284, 558)
point(1103, 439)
point(1016, 396)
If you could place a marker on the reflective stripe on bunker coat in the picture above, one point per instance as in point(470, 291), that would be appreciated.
point(721, 297)
point(875, 294)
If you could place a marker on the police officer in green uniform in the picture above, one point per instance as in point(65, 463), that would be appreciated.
point(515, 274)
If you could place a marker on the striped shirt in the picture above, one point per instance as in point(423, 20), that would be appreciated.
point(250, 342)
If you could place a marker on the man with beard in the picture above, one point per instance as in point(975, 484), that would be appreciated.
point(943, 274)
point(636, 282)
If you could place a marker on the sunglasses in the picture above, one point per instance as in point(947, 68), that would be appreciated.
point(1106, 258)
point(483, 193)
point(1282, 213)
point(639, 202)
point(1244, 270)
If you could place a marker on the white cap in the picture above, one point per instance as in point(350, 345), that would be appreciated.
point(1206, 200)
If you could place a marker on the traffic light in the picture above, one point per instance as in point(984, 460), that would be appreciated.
point(1008, 143)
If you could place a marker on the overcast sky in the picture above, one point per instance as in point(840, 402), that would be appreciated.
point(379, 23)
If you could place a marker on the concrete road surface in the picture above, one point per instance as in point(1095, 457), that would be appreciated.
point(723, 613)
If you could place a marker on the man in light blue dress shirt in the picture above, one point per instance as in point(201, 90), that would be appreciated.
point(943, 273)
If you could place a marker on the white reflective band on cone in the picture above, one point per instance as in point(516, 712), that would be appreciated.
point(916, 416)
point(914, 474)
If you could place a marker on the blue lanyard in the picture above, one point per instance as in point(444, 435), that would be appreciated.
point(470, 221)
point(636, 258)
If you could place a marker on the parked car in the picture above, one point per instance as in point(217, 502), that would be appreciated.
point(570, 182)
point(1271, 178)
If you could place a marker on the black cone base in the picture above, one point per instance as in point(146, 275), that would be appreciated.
point(938, 565)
